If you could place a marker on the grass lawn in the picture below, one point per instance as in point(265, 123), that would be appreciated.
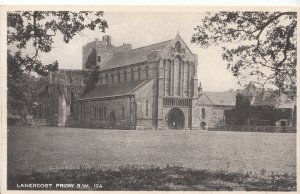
point(50, 149)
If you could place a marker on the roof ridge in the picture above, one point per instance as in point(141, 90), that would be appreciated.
point(133, 56)
point(150, 45)
point(142, 47)
point(119, 89)
point(209, 99)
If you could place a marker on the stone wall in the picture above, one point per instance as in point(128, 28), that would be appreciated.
point(249, 128)
point(51, 105)
point(195, 122)
point(144, 106)
point(214, 115)
point(56, 99)
point(97, 113)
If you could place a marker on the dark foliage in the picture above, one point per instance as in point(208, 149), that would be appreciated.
point(91, 83)
point(36, 29)
point(170, 178)
point(23, 89)
point(263, 49)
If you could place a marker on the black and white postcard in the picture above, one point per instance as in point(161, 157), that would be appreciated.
point(143, 98)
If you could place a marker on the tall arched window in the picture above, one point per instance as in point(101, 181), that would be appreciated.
point(203, 113)
point(125, 75)
point(132, 76)
point(146, 108)
point(100, 113)
point(146, 72)
point(193, 69)
point(112, 78)
point(95, 112)
point(139, 73)
point(178, 47)
point(118, 77)
point(104, 113)
point(106, 78)
point(72, 106)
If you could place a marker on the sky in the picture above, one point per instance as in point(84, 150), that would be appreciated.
point(141, 29)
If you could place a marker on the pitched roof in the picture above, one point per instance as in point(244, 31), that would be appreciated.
point(251, 89)
point(114, 90)
point(265, 98)
point(259, 96)
point(221, 98)
point(133, 56)
point(285, 102)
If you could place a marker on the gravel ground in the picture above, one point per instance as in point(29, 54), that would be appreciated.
point(51, 148)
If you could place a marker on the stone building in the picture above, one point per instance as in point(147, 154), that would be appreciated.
point(151, 87)
point(256, 106)
point(59, 96)
point(212, 107)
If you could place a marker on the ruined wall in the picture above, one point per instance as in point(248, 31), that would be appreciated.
point(57, 100)
point(51, 111)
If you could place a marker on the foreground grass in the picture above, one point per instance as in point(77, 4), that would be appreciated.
point(170, 178)
point(49, 148)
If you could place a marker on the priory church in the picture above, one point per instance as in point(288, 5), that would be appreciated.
point(118, 87)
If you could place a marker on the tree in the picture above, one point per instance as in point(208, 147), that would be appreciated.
point(264, 49)
point(22, 90)
point(36, 29)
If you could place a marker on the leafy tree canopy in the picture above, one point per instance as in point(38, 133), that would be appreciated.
point(23, 90)
point(261, 45)
point(27, 29)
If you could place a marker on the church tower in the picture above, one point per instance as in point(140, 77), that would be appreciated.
point(97, 52)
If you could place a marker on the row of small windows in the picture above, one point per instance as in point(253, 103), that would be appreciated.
point(125, 76)
point(176, 102)
point(96, 112)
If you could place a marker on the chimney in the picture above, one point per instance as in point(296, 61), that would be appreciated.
point(200, 88)
point(127, 47)
point(107, 40)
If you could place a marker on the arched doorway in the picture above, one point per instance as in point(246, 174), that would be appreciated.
point(175, 119)
point(112, 119)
